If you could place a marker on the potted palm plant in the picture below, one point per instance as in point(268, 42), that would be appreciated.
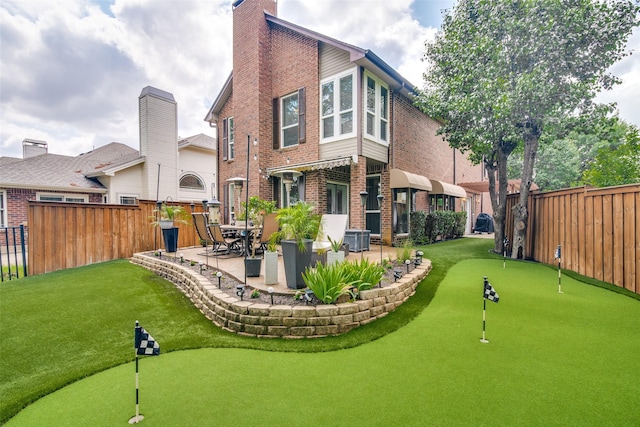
point(167, 217)
point(299, 226)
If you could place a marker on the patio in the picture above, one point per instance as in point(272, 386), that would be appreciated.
point(233, 264)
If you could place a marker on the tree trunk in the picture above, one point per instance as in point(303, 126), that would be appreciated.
point(498, 197)
point(520, 210)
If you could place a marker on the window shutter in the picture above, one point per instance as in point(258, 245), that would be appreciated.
point(276, 123)
point(225, 203)
point(302, 125)
point(225, 139)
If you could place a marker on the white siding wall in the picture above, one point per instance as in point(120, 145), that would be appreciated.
point(159, 144)
point(126, 182)
point(201, 163)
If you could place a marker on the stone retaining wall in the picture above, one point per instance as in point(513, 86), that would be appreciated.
point(265, 320)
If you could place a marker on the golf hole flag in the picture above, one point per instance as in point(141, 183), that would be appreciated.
point(489, 292)
point(144, 343)
point(491, 295)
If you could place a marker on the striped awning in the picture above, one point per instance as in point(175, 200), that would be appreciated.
point(315, 165)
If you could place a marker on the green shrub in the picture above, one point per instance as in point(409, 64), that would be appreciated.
point(326, 282)
point(363, 274)
point(460, 224)
point(417, 227)
point(444, 224)
point(404, 252)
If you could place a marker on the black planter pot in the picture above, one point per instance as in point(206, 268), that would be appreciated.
point(295, 262)
point(170, 236)
point(252, 265)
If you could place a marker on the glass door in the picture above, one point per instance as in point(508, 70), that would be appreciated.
point(337, 198)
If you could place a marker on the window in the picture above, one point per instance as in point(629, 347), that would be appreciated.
point(377, 105)
point(3, 208)
point(128, 200)
point(191, 182)
point(60, 197)
point(337, 102)
point(232, 138)
point(290, 120)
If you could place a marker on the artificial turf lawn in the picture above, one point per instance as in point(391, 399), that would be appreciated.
point(166, 314)
point(553, 359)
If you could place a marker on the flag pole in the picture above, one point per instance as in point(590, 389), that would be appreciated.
point(137, 418)
point(484, 317)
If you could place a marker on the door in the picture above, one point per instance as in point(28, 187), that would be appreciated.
point(337, 198)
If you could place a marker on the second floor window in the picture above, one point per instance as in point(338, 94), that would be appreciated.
point(232, 138)
point(337, 102)
point(290, 120)
point(191, 182)
point(377, 105)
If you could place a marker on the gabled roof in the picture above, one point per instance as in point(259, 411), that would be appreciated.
point(357, 55)
point(64, 173)
point(200, 140)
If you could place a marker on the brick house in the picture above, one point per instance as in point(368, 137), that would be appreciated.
point(323, 121)
point(164, 167)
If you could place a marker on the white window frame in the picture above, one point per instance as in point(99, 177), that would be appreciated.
point(128, 196)
point(203, 188)
point(3, 209)
point(231, 151)
point(378, 120)
point(63, 197)
point(295, 94)
point(337, 113)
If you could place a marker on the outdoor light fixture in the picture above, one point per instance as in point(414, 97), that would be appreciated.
point(204, 205)
point(158, 207)
point(363, 201)
point(308, 296)
point(214, 211)
point(219, 276)
point(418, 259)
point(181, 258)
point(408, 263)
point(240, 291)
point(201, 264)
point(270, 290)
point(380, 198)
point(160, 253)
point(397, 274)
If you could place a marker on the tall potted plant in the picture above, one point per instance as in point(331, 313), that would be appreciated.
point(271, 263)
point(256, 211)
point(167, 217)
point(299, 226)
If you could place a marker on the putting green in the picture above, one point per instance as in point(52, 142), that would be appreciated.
point(553, 359)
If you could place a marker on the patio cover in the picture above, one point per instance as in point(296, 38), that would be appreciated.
point(440, 187)
point(403, 179)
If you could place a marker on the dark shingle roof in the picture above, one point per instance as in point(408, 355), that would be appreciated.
point(54, 171)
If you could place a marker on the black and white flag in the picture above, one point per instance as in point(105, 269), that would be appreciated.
point(489, 292)
point(145, 344)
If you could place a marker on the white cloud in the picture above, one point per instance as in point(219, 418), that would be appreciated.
point(71, 74)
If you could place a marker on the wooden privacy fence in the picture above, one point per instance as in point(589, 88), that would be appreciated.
point(598, 228)
point(65, 235)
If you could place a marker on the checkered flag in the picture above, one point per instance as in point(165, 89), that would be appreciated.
point(145, 344)
point(489, 292)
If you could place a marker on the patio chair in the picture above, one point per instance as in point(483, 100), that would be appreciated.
point(200, 220)
point(230, 243)
point(269, 226)
point(331, 225)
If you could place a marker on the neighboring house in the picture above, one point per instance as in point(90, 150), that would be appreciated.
point(329, 120)
point(164, 168)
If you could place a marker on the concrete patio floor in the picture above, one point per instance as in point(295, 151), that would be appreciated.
point(233, 265)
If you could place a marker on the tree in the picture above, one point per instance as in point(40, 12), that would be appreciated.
point(616, 166)
point(504, 74)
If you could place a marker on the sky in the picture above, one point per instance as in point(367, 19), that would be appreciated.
point(72, 70)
